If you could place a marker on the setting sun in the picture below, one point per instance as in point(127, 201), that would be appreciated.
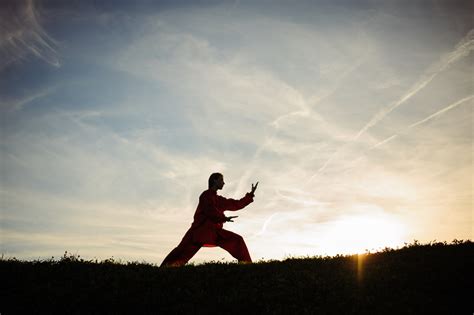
point(358, 233)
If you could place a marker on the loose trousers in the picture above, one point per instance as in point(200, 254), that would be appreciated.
point(230, 241)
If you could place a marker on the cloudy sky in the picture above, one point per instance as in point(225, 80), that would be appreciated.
point(355, 117)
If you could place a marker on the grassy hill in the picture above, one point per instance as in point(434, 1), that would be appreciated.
point(434, 278)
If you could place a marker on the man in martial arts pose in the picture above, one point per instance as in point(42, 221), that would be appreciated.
point(206, 230)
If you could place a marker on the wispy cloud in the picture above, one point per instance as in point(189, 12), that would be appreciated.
point(10, 104)
point(23, 35)
point(462, 49)
point(430, 117)
point(442, 111)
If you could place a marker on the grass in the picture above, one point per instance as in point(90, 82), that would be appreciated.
point(434, 278)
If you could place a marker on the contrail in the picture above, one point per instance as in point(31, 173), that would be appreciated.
point(447, 108)
point(308, 111)
point(340, 79)
point(305, 110)
point(462, 49)
point(303, 201)
point(314, 100)
point(384, 141)
point(265, 224)
point(322, 168)
point(16, 105)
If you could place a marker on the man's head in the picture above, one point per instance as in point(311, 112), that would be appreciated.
point(216, 181)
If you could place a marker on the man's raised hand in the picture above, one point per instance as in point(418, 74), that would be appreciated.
point(229, 219)
point(254, 188)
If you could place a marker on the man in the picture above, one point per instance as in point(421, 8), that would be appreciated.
point(206, 230)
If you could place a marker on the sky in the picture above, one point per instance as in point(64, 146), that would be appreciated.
point(355, 117)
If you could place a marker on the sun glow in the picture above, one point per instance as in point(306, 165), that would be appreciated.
point(358, 233)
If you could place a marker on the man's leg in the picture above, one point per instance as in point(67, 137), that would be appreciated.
point(182, 253)
point(234, 244)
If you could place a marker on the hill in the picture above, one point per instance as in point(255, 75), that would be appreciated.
point(434, 278)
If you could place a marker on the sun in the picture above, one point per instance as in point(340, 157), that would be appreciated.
point(356, 234)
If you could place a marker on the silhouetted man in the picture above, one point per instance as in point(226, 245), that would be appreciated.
point(206, 230)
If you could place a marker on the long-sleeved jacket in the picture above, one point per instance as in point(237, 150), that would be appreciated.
point(209, 216)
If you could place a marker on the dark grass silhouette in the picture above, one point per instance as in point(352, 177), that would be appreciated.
point(435, 278)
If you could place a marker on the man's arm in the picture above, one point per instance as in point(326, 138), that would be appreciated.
point(233, 204)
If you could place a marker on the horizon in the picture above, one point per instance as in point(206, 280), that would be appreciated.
point(355, 119)
point(360, 256)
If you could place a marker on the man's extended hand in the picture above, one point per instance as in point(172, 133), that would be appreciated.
point(229, 219)
point(254, 188)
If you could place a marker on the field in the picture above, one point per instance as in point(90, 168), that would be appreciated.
point(435, 278)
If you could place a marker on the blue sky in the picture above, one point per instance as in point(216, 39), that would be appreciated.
point(354, 116)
